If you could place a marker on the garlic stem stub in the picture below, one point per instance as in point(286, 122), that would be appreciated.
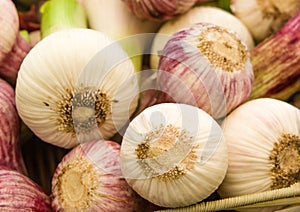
point(158, 10)
point(207, 14)
point(207, 66)
point(173, 154)
point(264, 17)
point(89, 178)
point(69, 91)
point(276, 63)
point(263, 141)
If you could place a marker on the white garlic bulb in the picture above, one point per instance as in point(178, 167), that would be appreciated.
point(76, 85)
point(173, 154)
point(264, 17)
point(263, 140)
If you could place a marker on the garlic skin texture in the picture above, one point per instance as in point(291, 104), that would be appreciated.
point(158, 10)
point(89, 178)
point(263, 141)
point(173, 155)
point(74, 86)
point(198, 14)
point(207, 66)
point(264, 17)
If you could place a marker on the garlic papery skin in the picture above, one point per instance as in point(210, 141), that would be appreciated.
point(195, 15)
point(89, 178)
point(264, 17)
point(10, 128)
point(263, 141)
point(76, 85)
point(207, 66)
point(159, 10)
point(19, 193)
point(13, 48)
point(173, 154)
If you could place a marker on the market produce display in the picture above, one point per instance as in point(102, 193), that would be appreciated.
point(149, 105)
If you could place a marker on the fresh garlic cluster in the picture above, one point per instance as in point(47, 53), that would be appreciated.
point(198, 14)
point(76, 85)
point(158, 10)
point(263, 141)
point(264, 17)
point(173, 154)
point(207, 66)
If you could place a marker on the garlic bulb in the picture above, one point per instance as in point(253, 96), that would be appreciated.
point(89, 178)
point(76, 85)
point(159, 10)
point(263, 140)
point(173, 154)
point(198, 14)
point(264, 17)
point(207, 66)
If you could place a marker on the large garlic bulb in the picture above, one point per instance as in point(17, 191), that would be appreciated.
point(76, 85)
point(263, 139)
point(173, 154)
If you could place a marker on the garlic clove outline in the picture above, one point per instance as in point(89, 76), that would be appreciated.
point(263, 142)
point(173, 154)
point(68, 91)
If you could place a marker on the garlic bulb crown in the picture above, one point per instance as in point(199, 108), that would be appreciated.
point(173, 154)
point(207, 66)
point(263, 140)
point(76, 85)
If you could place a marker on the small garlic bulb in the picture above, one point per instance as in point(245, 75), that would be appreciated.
point(158, 10)
point(264, 17)
point(173, 154)
point(76, 85)
point(263, 140)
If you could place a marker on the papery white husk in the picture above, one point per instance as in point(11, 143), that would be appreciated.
point(197, 183)
point(68, 59)
point(208, 14)
point(250, 132)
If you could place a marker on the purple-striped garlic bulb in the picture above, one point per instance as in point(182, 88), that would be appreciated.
point(20, 193)
point(159, 10)
point(207, 66)
point(89, 178)
point(10, 150)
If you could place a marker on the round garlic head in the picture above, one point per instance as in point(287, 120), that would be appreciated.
point(263, 139)
point(173, 155)
point(76, 85)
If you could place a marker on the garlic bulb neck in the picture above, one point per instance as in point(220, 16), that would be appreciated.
point(285, 158)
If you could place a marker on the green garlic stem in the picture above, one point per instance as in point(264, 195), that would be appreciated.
point(61, 14)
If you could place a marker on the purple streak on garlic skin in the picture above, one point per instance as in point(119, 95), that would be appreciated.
point(158, 10)
point(10, 150)
point(92, 172)
point(20, 193)
point(215, 78)
point(13, 48)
